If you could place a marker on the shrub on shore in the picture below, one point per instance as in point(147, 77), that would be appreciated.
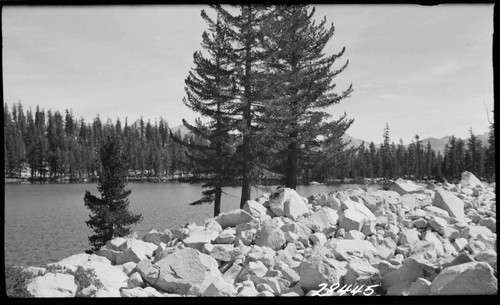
point(17, 279)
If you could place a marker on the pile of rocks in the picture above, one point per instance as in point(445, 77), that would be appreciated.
point(409, 240)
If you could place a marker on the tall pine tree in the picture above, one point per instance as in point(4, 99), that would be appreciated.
point(110, 216)
point(210, 91)
point(298, 85)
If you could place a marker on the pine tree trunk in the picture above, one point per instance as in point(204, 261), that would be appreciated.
point(247, 113)
point(218, 193)
point(291, 166)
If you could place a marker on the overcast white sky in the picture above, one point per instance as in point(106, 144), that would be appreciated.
point(423, 70)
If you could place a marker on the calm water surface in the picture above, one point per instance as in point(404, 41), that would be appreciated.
point(45, 223)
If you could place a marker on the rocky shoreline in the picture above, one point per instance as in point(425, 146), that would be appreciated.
point(413, 239)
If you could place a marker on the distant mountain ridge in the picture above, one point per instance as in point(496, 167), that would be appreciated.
point(436, 144)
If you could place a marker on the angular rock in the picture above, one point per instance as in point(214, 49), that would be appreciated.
point(115, 243)
point(155, 237)
point(376, 204)
point(420, 286)
point(111, 277)
point(436, 211)
point(369, 228)
point(352, 220)
point(461, 258)
point(212, 225)
point(416, 214)
point(329, 200)
point(138, 292)
point(315, 269)
point(460, 243)
point(134, 250)
point(438, 245)
point(227, 236)
point(289, 274)
point(318, 239)
point(135, 280)
point(301, 230)
point(488, 256)
point(408, 237)
point(420, 223)
point(254, 268)
point(343, 249)
point(472, 278)
point(225, 253)
point(52, 285)
point(219, 289)
point(361, 272)
point(321, 220)
point(197, 237)
point(231, 274)
point(286, 202)
point(254, 208)
point(247, 290)
point(474, 231)
point(233, 218)
point(490, 223)
point(353, 234)
point(270, 235)
point(402, 187)
point(424, 249)
point(109, 254)
point(438, 224)
point(410, 270)
point(399, 289)
point(179, 271)
point(469, 180)
point(449, 202)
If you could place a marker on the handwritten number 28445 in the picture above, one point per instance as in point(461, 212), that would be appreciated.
point(324, 291)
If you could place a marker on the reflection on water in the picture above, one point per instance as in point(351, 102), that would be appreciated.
point(46, 223)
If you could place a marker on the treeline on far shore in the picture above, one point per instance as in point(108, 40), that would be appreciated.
point(48, 146)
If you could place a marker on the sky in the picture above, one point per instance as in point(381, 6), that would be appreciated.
point(423, 70)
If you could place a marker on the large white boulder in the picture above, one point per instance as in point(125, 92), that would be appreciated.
point(198, 237)
point(111, 277)
point(361, 272)
point(227, 236)
point(352, 220)
point(135, 250)
point(402, 187)
point(321, 220)
point(53, 285)
point(469, 180)
point(155, 237)
point(286, 202)
point(225, 253)
point(255, 209)
point(181, 270)
point(329, 200)
point(449, 202)
point(408, 236)
point(315, 269)
point(298, 229)
point(270, 235)
point(343, 249)
point(420, 286)
point(233, 218)
point(410, 271)
point(472, 278)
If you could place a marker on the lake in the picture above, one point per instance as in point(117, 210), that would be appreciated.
point(45, 223)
